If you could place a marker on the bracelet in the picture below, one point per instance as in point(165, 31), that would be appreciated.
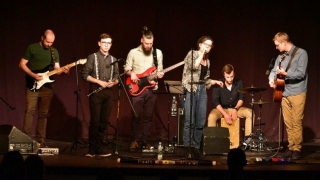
point(236, 109)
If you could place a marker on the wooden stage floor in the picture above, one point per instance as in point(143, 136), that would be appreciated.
point(71, 163)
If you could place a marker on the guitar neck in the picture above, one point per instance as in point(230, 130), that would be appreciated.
point(172, 67)
point(53, 72)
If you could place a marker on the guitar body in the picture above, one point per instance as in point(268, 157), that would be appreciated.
point(34, 85)
point(277, 93)
point(45, 79)
point(135, 89)
point(279, 83)
point(145, 78)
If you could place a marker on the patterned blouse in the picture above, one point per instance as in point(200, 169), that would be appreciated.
point(186, 75)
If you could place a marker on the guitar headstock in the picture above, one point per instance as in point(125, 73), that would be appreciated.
point(81, 61)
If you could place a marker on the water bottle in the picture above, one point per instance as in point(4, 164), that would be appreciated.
point(160, 148)
point(174, 106)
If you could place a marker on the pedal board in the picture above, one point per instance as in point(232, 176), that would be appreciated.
point(52, 151)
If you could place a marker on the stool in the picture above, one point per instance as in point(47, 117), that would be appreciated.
point(234, 131)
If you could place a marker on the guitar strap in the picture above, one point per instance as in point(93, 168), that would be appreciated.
point(155, 59)
point(292, 56)
point(53, 58)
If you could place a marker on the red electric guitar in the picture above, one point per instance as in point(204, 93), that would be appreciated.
point(135, 89)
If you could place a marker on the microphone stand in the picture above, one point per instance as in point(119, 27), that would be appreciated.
point(118, 110)
point(191, 105)
point(10, 107)
point(74, 143)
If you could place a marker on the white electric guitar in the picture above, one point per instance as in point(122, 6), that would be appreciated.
point(34, 85)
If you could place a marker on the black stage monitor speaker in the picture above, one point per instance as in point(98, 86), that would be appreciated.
point(12, 139)
point(216, 140)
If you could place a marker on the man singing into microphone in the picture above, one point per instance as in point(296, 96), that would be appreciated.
point(100, 71)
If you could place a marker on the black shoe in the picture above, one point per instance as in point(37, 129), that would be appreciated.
point(90, 153)
point(145, 145)
point(43, 144)
point(296, 155)
point(100, 152)
point(288, 153)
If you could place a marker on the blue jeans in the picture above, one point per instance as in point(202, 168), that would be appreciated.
point(199, 113)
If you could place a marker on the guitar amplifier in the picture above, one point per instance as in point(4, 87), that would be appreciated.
point(12, 139)
point(215, 140)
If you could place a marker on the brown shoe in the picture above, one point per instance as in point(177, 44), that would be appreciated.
point(145, 145)
point(134, 145)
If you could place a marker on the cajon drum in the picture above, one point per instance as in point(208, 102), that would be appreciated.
point(234, 131)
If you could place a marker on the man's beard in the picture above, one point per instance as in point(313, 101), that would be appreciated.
point(146, 52)
point(44, 46)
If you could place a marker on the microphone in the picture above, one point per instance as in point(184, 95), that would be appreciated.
point(270, 66)
point(114, 62)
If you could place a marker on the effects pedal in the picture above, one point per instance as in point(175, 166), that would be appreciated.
point(53, 151)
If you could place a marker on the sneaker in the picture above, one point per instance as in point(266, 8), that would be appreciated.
point(288, 153)
point(134, 145)
point(90, 153)
point(101, 153)
point(296, 155)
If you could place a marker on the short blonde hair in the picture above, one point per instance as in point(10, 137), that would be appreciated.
point(281, 37)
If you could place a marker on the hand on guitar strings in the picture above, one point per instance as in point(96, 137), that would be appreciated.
point(134, 77)
point(281, 71)
point(271, 83)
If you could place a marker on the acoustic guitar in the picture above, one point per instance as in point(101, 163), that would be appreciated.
point(279, 83)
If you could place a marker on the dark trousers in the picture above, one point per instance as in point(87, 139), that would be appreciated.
point(144, 108)
point(100, 110)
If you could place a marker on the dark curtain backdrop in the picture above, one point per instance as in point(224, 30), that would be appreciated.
point(242, 33)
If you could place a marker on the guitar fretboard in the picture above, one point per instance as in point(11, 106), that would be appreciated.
point(53, 72)
point(170, 67)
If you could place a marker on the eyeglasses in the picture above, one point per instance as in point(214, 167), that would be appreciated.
point(278, 44)
point(210, 45)
point(106, 43)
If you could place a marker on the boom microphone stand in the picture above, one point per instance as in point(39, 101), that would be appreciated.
point(10, 107)
point(74, 143)
point(118, 112)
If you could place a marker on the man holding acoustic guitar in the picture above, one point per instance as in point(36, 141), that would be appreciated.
point(38, 58)
point(144, 65)
point(289, 79)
